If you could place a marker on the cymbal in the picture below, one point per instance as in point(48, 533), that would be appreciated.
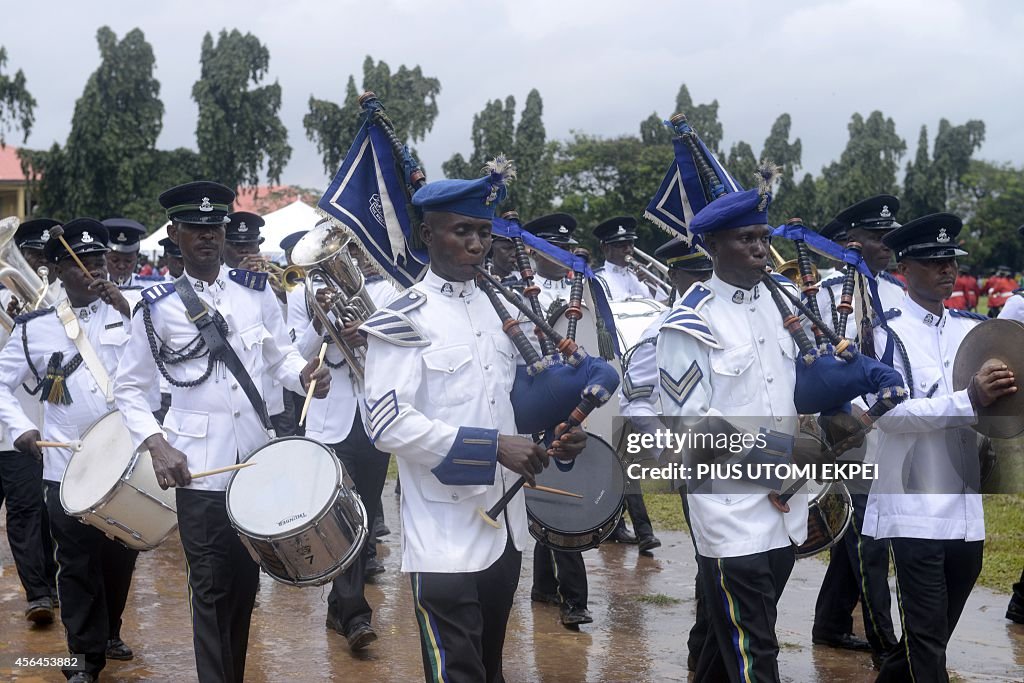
point(1001, 340)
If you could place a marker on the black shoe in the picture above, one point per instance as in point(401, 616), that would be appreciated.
point(574, 616)
point(1015, 610)
point(691, 662)
point(40, 611)
point(82, 677)
point(116, 649)
point(649, 543)
point(622, 535)
point(361, 636)
point(846, 641)
point(540, 596)
point(380, 529)
point(374, 568)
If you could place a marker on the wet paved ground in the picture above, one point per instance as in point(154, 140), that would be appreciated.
point(637, 636)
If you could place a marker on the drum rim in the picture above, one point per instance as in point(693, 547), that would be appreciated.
point(313, 519)
point(132, 462)
point(844, 492)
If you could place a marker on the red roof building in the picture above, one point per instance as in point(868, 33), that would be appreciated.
point(13, 184)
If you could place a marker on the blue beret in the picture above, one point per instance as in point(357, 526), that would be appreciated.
point(83, 235)
point(474, 198)
point(732, 210)
point(290, 240)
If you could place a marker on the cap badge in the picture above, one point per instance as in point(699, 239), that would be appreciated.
point(121, 237)
point(46, 235)
point(885, 213)
point(622, 231)
point(205, 205)
point(562, 229)
point(86, 238)
point(242, 227)
point(942, 237)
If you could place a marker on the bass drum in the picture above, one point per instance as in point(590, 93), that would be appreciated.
point(632, 317)
point(568, 523)
point(828, 517)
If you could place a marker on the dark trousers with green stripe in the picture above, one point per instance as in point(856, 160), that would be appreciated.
point(858, 570)
point(742, 596)
point(933, 581)
point(462, 619)
point(560, 573)
point(222, 581)
point(700, 630)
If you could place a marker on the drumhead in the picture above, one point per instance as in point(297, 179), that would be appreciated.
point(632, 317)
point(597, 475)
point(294, 481)
point(92, 472)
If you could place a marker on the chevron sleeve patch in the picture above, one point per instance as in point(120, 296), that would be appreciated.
point(680, 389)
point(382, 413)
point(634, 391)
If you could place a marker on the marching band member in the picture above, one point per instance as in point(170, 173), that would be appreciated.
point(640, 399)
point(503, 261)
point(925, 499)
point(172, 259)
point(69, 353)
point(125, 241)
point(725, 352)
point(617, 236)
point(858, 569)
point(21, 476)
point(294, 297)
point(439, 372)
point(216, 415)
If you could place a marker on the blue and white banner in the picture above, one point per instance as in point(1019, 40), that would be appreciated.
point(367, 196)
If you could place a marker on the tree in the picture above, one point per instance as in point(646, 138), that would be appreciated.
point(239, 130)
point(17, 106)
point(653, 131)
point(787, 155)
point(702, 117)
point(409, 96)
point(922, 195)
point(954, 147)
point(495, 132)
point(990, 199)
point(742, 163)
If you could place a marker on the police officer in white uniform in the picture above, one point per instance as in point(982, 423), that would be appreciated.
point(125, 241)
point(216, 416)
point(926, 500)
point(172, 259)
point(617, 236)
point(439, 372)
point(724, 352)
point(95, 571)
point(21, 476)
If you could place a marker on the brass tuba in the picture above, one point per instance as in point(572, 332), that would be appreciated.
point(323, 254)
point(643, 264)
point(30, 287)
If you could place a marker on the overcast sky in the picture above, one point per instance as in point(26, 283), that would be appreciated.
point(601, 66)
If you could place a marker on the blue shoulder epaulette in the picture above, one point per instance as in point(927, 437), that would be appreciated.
point(157, 292)
point(686, 318)
point(25, 317)
point(834, 280)
point(249, 278)
point(960, 313)
point(886, 275)
point(392, 323)
point(889, 315)
point(782, 279)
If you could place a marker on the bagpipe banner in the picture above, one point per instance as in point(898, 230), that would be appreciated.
point(367, 196)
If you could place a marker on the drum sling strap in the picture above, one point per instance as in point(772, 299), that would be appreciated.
point(77, 335)
point(220, 349)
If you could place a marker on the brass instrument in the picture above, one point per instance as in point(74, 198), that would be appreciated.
point(280, 279)
point(31, 288)
point(323, 255)
point(655, 271)
point(790, 269)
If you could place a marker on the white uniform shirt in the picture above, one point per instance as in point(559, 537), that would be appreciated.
point(214, 424)
point(1013, 309)
point(926, 441)
point(418, 397)
point(106, 331)
point(890, 294)
point(621, 282)
point(752, 377)
point(639, 394)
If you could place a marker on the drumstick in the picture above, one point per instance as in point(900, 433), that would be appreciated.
point(73, 445)
point(221, 470)
point(558, 492)
point(58, 232)
point(312, 385)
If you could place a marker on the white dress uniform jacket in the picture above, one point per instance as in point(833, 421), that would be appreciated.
point(214, 424)
point(621, 282)
point(438, 363)
point(830, 293)
point(1013, 309)
point(926, 443)
point(733, 359)
point(106, 330)
point(639, 395)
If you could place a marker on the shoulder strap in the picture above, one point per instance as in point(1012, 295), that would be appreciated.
point(220, 349)
point(81, 341)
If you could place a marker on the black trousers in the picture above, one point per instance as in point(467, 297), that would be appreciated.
point(933, 581)
point(462, 620)
point(368, 469)
point(1018, 591)
point(638, 515)
point(561, 573)
point(285, 423)
point(28, 525)
point(93, 579)
point(858, 569)
point(742, 598)
point(701, 629)
point(222, 580)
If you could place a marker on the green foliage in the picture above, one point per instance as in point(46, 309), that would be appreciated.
point(702, 117)
point(931, 183)
point(742, 163)
point(239, 130)
point(991, 201)
point(409, 96)
point(17, 106)
point(653, 131)
point(787, 155)
point(922, 195)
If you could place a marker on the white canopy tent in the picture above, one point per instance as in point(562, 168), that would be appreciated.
point(280, 223)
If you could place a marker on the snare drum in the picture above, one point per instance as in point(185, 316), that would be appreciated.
point(564, 523)
point(828, 517)
point(111, 486)
point(295, 513)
